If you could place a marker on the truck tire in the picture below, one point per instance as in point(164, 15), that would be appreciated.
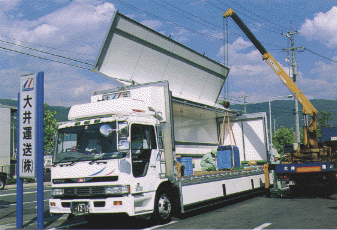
point(163, 207)
point(2, 184)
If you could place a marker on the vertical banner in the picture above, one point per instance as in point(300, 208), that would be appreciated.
point(30, 139)
point(28, 108)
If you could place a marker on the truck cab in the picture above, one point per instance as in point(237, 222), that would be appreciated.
point(109, 157)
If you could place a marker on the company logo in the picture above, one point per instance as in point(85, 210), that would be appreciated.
point(81, 180)
point(28, 84)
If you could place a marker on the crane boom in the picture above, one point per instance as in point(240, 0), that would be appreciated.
point(310, 133)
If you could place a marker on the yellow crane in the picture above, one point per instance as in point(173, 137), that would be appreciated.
point(310, 150)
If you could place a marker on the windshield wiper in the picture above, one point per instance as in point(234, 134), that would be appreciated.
point(97, 159)
point(65, 160)
point(72, 160)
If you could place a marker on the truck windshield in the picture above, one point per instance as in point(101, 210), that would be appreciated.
point(86, 143)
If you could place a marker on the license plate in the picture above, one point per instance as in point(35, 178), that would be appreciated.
point(79, 207)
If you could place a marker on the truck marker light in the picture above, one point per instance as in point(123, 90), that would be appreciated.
point(118, 203)
point(52, 204)
point(138, 110)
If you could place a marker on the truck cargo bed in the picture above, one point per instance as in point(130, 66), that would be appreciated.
point(205, 177)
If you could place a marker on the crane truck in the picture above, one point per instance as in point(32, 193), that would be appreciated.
point(303, 165)
point(118, 153)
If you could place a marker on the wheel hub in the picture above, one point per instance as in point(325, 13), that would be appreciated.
point(164, 206)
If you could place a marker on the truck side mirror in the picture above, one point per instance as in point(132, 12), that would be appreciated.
point(123, 134)
point(123, 129)
point(105, 130)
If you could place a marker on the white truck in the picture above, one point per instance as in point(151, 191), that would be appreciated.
point(117, 154)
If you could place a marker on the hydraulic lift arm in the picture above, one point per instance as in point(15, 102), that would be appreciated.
point(310, 133)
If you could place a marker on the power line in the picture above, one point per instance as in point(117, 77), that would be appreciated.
point(251, 12)
point(48, 59)
point(192, 15)
point(243, 15)
point(209, 23)
point(167, 21)
point(49, 47)
point(320, 55)
point(26, 47)
point(179, 25)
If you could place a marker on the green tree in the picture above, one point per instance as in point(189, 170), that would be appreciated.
point(50, 127)
point(324, 119)
point(282, 137)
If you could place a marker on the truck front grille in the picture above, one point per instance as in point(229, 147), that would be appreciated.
point(84, 191)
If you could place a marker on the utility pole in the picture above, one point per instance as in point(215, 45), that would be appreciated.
point(293, 64)
point(244, 103)
point(274, 126)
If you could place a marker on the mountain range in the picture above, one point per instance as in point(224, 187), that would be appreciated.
point(282, 110)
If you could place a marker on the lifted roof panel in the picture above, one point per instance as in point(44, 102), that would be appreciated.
point(133, 52)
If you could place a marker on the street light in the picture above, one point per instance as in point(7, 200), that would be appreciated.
point(270, 125)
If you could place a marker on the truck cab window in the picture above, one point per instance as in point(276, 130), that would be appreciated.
point(143, 140)
point(87, 143)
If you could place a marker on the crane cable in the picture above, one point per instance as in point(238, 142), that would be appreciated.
point(231, 135)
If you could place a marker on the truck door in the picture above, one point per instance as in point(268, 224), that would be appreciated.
point(143, 152)
point(251, 136)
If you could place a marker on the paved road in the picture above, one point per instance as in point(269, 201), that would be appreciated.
point(262, 212)
point(255, 212)
point(8, 203)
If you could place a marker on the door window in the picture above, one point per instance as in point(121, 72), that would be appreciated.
point(143, 140)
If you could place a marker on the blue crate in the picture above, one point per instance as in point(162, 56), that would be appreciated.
point(224, 157)
point(187, 161)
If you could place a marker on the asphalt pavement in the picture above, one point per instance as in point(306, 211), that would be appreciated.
point(252, 212)
point(30, 220)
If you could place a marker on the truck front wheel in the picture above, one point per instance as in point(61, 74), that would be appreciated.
point(163, 207)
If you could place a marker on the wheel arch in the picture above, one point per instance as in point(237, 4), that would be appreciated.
point(174, 194)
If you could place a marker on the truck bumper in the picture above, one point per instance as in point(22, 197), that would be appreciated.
point(94, 206)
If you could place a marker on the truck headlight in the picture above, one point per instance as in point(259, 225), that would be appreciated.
point(57, 191)
point(118, 190)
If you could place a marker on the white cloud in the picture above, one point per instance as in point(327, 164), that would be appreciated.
point(70, 87)
point(74, 23)
point(45, 31)
point(180, 35)
point(322, 28)
point(325, 84)
point(250, 74)
point(256, 78)
point(75, 28)
point(153, 24)
point(238, 44)
point(6, 5)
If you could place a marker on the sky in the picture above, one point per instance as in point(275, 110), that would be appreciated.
point(63, 38)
